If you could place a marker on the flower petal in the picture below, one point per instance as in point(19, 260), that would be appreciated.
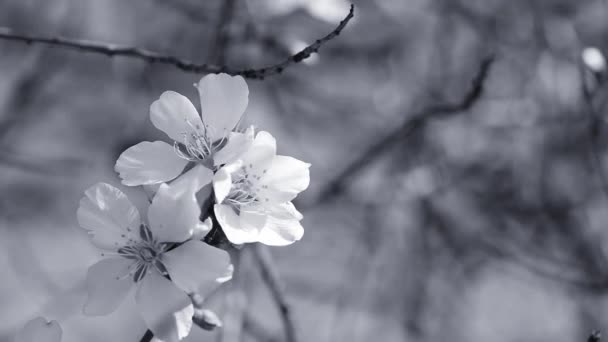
point(224, 99)
point(111, 219)
point(173, 215)
point(195, 266)
point(39, 330)
point(222, 180)
point(236, 146)
point(166, 309)
point(279, 232)
point(149, 163)
point(231, 225)
point(284, 211)
point(285, 179)
point(108, 283)
point(193, 180)
point(261, 154)
point(252, 219)
point(175, 115)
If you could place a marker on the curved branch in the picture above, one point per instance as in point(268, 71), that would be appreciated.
point(182, 64)
point(335, 186)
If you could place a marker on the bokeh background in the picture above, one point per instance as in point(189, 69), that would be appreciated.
point(481, 224)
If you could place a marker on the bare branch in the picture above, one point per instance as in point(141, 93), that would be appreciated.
point(182, 64)
point(148, 336)
point(271, 277)
point(594, 337)
point(434, 111)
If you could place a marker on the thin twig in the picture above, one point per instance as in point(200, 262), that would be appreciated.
point(434, 111)
point(182, 64)
point(271, 277)
point(148, 336)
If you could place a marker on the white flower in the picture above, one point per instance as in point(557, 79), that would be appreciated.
point(196, 141)
point(254, 194)
point(146, 254)
point(40, 330)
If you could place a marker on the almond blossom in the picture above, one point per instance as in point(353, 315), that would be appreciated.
point(254, 194)
point(198, 140)
point(40, 330)
point(155, 256)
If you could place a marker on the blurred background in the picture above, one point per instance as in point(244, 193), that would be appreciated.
point(439, 209)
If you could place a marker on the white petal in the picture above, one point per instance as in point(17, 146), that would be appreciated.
point(195, 266)
point(261, 154)
point(222, 183)
point(285, 179)
point(252, 219)
point(193, 180)
point(231, 225)
point(111, 219)
point(278, 232)
point(175, 115)
point(39, 330)
point(108, 283)
point(173, 216)
point(236, 146)
point(202, 229)
point(166, 309)
point(149, 163)
point(224, 99)
point(284, 211)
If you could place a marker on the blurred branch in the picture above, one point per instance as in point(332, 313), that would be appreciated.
point(192, 12)
point(594, 337)
point(271, 277)
point(222, 34)
point(434, 111)
point(595, 127)
point(184, 65)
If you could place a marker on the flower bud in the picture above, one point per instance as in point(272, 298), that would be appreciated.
point(594, 59)
point(206, 319)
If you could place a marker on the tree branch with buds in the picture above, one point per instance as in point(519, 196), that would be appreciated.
point(179, 63)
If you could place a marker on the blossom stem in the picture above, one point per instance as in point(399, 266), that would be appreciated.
point(271, 277)
point(110, 50)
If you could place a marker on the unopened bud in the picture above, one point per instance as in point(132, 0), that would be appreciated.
point(206, 319)
point(202, 229)
point(594, 59)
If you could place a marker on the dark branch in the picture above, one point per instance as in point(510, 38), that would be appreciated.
point(594, 337)
point(182, 64)
point(148, 336)
point(434, 111)
point(271, 277)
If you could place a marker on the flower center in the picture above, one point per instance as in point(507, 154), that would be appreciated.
point(246, 188)
point(146, 254)
point(196, 145)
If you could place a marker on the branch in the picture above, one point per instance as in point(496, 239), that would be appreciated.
point(148, 336)
point(182, 64)
point(594, 128)
point(271, 277)
point(594, 337)
point(336, 185)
